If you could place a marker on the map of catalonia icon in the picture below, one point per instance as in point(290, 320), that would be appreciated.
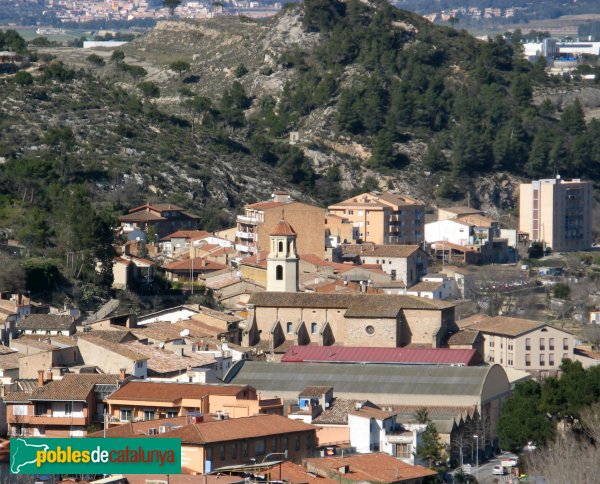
point(23, 454)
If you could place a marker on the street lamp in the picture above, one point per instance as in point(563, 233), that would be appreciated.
point(477, 455)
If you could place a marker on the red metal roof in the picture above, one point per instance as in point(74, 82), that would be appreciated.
point(364, 354)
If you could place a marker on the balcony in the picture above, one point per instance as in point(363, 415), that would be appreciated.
point(246, 235)
point(45, 420)
point(247, 220)
point(245, 248)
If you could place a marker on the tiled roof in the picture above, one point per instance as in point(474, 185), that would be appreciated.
point(111, 335)
point(296, 474)
point(283, 228)
point(264, 205)
point(314, 391)
point(357, 305)
point(5, 350)
point(477, 220)
point(9, 361)
point(158, 331)
point(187, 234)
point(72, 386)
point(371, 412)
point(461, 210)
point(197, 264)
point(463, 337)
point(33, 342)
point(237, 429)
point(186, 478)
point(230, 318)
point(364, 354)
point(46, 322)
point(117, 348)
point(159, 207)
point(199, 329)
point(141, 216)
point(373, 468)
point(170, 392)
point(17, 397)
point(161, 361)
point(506, 326)
point(426, 286)
point(471, 320)
point(401, 251)
point(337, 412)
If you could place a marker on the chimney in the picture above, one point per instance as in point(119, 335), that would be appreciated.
point(49, 373)
point(122, 374)
point(40, 378)
point(19, 299)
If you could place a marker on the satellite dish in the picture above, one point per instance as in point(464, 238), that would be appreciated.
point(184, 333)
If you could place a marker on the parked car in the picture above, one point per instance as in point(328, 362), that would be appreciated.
point(498, 471)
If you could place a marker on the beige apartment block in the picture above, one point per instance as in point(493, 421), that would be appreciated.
point(523, 344)
point(260, 219)
point(557, 213)
point(383, 218)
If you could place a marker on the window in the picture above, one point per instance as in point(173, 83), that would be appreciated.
point(19, 410)
point(309, 441)
point(280, 246)
point(284, 443)
point(542, 344)
point(565, 356)
point(245, 449)
point(297, 442)
point(234, 451)
point(139, 364)
point(350, 212)
point(290, 327)
point(209, 453)
point(551, 359)
point(393, 274)
point(551, 344)
point(510, 345)
point(403, 451)
point(313, 328)
point(510, 362)
point(528, 360)
point(68, 409)
point(171, 414)
point(542, 360)
point(222, 452)
point(565, 343)
point(259, 447)
point(491, 343)
point(125, 414)
point(40, 408)
point(274, 444)
point(279, 273)
point(527, 344)
point(370, 330)
point(149, 414)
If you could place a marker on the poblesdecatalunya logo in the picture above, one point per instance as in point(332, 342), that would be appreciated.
point(95, 456)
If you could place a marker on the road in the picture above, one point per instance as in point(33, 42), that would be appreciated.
point(485, 473)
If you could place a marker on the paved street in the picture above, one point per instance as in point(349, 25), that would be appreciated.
point(485, 473)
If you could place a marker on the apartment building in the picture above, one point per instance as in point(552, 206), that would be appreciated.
point(144, 400)
point(383, 218)
point(557, 213)
point(523, 344)
point(260, 219)
point(162, 218)
point(209, 446)
point(59, 408)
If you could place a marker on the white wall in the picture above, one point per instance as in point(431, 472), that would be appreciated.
point(179, 314)
point(360, 433)
point(448, 230)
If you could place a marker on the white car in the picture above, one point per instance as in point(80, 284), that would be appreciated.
point(498, 471)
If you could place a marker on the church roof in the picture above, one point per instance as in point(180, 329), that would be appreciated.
point(283, 228)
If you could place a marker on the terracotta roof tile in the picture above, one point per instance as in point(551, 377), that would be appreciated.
point(461, 210)
point(296, 474)
point(506, 326)
point(187, 234)
point(46, 322)
point(264, 205)
point(162, 362)
point(72, 386)
point(112, 335)
point(314, 391)
point(16, 397)
point(372, 468)
point(463, 337)
point(197, 264)
point(9, 361)
point(158, 331)
point(426, 286)
point(170, 392)
point(337, 413)
point(282, 228)
point(118, 348)
point(400, 251)
point(133, 429)
point(237, 429)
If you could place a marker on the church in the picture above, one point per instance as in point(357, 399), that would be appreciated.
point(282, 316)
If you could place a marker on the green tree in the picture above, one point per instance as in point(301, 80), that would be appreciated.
point(241, 71)
point(422, 415)
point(149, 89)
point(96, 60)
point(536, 250)
point(12, 275)
point(23, 78)
point(522, 420)
point(431, 448)
point(572, 118)
point(117, 57)
point(180, 67)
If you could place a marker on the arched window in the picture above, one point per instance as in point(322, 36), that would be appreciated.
point(279, 273)
point(280, 246)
